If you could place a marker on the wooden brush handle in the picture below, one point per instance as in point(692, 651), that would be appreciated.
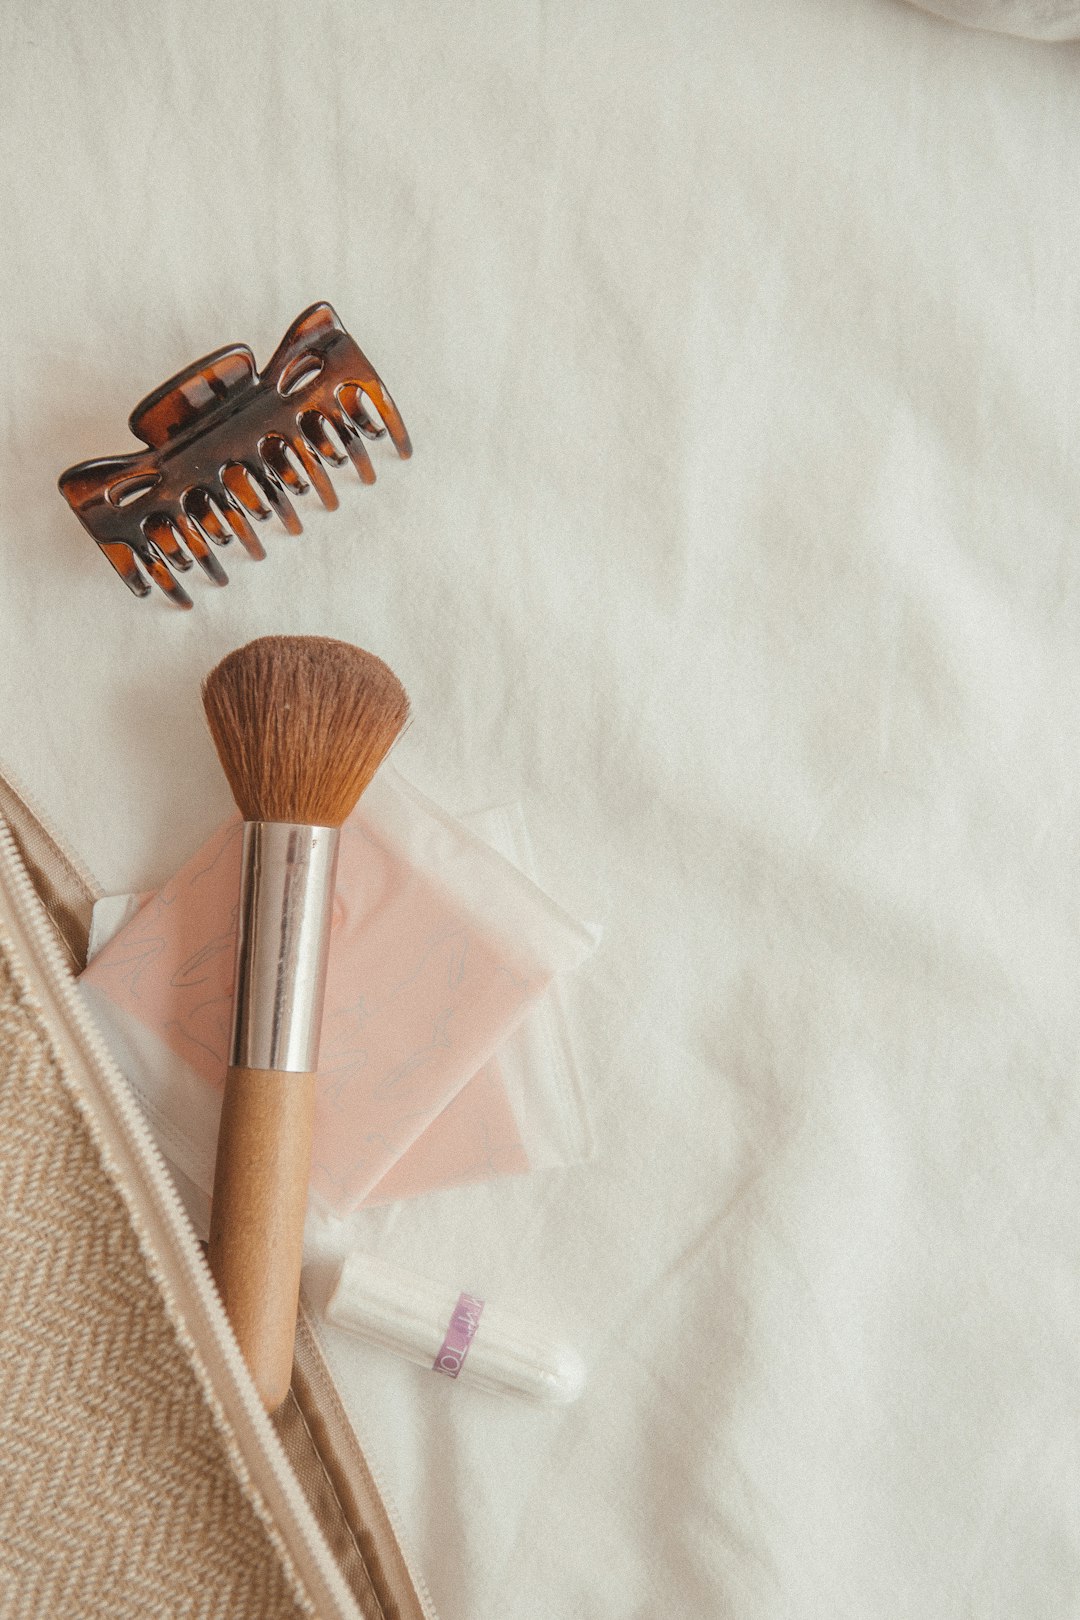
point(257, 1216)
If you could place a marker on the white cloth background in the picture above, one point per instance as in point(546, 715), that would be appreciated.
point(739, 346)
point(1029, 19)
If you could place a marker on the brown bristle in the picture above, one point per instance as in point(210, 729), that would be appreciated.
point(301, 724)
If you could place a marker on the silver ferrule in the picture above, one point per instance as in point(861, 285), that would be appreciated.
point(283, 940)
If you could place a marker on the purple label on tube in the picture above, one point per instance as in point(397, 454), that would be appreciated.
point(459, 1335)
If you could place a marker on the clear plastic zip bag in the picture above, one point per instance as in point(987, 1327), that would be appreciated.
point(445, 1054)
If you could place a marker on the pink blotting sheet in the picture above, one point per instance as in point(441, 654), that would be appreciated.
point(439, 948)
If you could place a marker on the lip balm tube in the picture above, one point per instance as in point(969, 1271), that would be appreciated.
point(453, 1333)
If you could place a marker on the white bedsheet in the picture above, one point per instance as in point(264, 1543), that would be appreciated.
point(739, 347)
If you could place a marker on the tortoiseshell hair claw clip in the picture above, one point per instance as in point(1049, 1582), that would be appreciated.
point(227, 444)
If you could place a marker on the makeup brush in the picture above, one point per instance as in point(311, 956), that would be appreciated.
point(301, 725)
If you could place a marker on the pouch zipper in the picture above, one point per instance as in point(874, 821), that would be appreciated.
point(167, 1240)
point(43, 863)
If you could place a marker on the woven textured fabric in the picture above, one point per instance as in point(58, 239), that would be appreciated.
point(119, 1497)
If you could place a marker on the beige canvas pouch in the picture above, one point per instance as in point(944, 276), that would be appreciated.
point(139, 1475)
